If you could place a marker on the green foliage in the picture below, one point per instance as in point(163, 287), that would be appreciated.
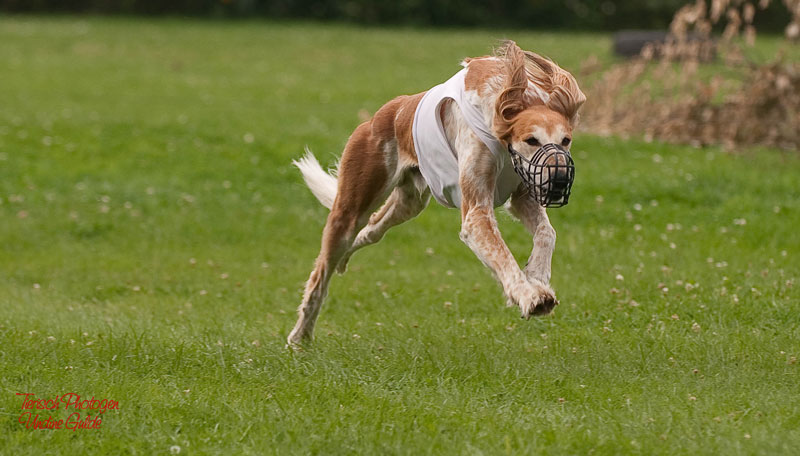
point(155, 240)
point(535, 14)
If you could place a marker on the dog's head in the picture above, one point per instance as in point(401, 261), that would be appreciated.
point(538, 106)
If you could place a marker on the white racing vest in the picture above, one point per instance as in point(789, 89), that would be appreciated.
point(438, 162)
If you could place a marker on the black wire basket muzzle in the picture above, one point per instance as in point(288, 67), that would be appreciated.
point(548, 174)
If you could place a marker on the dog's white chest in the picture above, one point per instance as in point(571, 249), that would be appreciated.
point(438, 162)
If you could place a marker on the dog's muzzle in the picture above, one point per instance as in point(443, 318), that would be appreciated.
point(548, 174)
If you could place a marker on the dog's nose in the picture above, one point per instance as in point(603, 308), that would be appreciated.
point(560, 183)
point(560, 178)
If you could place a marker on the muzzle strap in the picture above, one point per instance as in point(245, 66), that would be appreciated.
point(548, 174)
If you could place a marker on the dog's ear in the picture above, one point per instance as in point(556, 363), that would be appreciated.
point(511, 100)
point(555, 87)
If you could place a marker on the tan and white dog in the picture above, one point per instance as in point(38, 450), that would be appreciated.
point(525, 101)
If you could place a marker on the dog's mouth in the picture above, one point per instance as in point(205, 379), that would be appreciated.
point(549, 174)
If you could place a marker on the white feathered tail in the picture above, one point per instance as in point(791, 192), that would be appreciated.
point(322, 184)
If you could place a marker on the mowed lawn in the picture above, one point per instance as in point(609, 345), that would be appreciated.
point(154, 241)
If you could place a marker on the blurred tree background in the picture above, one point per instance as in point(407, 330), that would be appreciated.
point(572, 14)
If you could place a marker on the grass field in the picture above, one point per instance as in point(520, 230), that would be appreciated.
point(155, 240)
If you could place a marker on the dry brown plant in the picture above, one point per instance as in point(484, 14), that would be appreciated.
point(668, 93)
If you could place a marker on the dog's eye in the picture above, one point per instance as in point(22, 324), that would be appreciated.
point(565, 142)
point(532, 141)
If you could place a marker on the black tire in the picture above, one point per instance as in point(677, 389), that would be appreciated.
point(629, 43)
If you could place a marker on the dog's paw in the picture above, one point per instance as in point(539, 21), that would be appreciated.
point(297, 340)
point(533, 299)
point(547, 302)
point(293, 347)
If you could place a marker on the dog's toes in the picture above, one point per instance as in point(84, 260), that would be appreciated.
point(527, 309)
point(541, 305)
point(297, 340)
point(535, 300)
point(291, 346)
point(545, 306)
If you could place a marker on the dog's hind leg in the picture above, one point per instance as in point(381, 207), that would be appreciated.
point(378, 156)
point(364, 179)
point(405, 202)
point(337, 237)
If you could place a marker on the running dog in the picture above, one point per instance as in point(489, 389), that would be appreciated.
point(500, 129)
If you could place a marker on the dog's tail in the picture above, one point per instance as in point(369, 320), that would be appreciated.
point(322, 184)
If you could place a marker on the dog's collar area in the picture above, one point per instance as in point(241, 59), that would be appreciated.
point(548, 175)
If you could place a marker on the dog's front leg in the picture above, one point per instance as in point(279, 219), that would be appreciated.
point(534, 218)
point(479, 231)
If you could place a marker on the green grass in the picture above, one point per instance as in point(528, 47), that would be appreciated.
point(155, 240)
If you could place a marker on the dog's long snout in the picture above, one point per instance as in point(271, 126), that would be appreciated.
point(548, 173)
